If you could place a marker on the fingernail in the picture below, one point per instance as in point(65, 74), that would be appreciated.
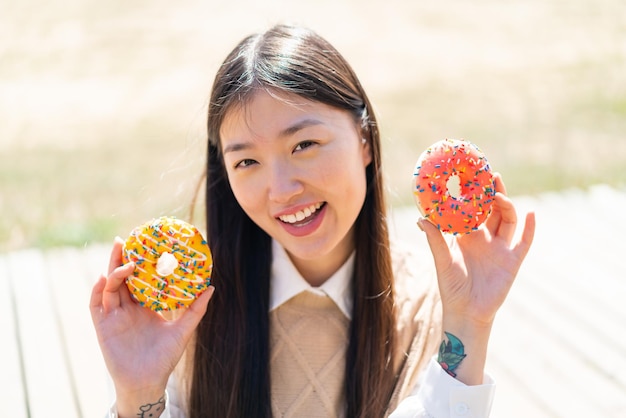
point(419, 223)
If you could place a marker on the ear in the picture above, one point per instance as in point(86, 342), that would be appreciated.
point(366, 150)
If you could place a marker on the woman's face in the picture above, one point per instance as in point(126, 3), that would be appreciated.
point(297, 168)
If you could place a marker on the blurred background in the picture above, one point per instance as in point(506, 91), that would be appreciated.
point(102, 104)
point(102, 115)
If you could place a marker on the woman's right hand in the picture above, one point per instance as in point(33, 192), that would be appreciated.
point(140, 347)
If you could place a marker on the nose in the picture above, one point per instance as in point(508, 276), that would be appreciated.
point(284, 182)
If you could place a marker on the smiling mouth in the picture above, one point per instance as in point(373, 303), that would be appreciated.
point(302, 216)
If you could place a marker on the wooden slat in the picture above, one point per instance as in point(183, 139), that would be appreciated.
point(591, 332)
point(13, 400)
point(570, 357)
point(45, 369)
point(551, 357)
point(70, 294)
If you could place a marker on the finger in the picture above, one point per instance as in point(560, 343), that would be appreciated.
point(190, 319)
point(437, 243)
point(508, 217)
point(499, 183)
point(95, 302)
point(528, 234)
point(495, 217)
point(116, 255)
point(493, 220)
point(113, 293)
point(124, 292)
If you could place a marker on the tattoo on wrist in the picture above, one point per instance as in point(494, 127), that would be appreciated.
point(451, 354)
point(152, 409)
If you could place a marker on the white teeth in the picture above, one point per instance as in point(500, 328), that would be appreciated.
point(301, 214)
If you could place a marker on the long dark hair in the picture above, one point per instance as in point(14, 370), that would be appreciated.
point(230, 376)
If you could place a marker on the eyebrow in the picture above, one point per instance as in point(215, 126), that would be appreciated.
point(298, 126)
point(240, 146)
point(290, 130)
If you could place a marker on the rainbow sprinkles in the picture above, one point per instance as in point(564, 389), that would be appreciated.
point(173, 264)
point(453, 186)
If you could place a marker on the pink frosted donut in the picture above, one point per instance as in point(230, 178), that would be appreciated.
point(453, 186)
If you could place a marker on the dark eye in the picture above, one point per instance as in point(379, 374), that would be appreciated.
point(304, 144)
point(245, 163)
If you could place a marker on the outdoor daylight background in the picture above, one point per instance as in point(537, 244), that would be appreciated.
point(102, 104)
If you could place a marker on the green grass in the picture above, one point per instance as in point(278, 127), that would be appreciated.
point(102, 105)
point(52, 197)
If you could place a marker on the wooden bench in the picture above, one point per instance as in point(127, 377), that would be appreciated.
point(53, 366)
point(558, 347)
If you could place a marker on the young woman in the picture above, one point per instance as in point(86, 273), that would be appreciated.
point(314, 314)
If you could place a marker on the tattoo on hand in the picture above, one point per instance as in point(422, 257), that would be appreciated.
point(152, 409)
point(451, 354)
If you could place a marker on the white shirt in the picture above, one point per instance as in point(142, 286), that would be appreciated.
point(287, 282)
point(438, 394)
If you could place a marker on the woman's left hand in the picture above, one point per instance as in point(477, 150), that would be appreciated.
point(476, 270)
point(475, 273)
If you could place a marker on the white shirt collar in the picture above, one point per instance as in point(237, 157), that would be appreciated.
point(286, 282)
